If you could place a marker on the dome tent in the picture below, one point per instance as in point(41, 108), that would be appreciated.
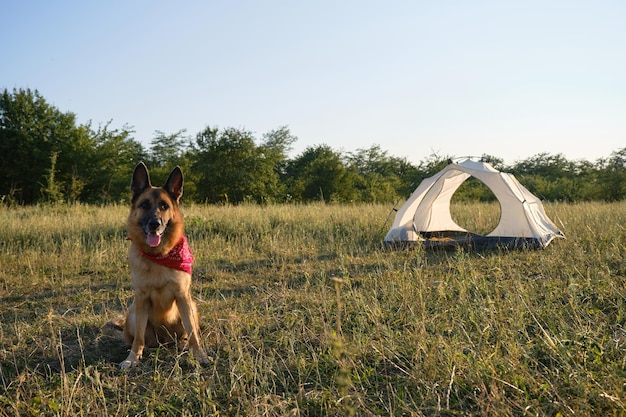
point(425, 217)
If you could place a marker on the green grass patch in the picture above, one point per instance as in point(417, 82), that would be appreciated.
point(304, 313)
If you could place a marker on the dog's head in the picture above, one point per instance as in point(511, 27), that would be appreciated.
point(155, 223)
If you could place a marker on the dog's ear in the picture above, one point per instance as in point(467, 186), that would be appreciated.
point(140, 181)
point(174, 184)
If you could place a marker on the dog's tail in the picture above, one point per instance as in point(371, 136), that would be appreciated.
point(115, 328)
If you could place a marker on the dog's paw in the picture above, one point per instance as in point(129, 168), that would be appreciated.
point(130, 361)
point(126, 364)
point(201, 357)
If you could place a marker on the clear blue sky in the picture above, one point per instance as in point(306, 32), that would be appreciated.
point(507, 78)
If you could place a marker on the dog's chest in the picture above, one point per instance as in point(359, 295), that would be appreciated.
point(150, 276)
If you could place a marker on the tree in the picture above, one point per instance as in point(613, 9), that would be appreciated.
point(381, 178)
point(612, 176)
point(231, 168)
point(273, 150)
point(166, 150)
point(319, 174)
point(112, 161)
point(546, 166)
point(39, 143)
point(551, 177)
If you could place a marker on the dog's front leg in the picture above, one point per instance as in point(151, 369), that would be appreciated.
point(142, 305)
point(189, 317)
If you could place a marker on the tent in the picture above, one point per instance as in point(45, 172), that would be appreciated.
point(425, 217)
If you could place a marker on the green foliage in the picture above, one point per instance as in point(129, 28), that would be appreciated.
point(231, 168)
point(380, 177)
point(32, 135)
point(273, 149)
point(473, 190)
point(166, 150)
point(51, 190)
point(112, 162)
point(46, 157)
point(319, 174)
point(612, 178)
point(546, 166)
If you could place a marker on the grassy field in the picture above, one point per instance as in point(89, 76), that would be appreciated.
point(304, 313)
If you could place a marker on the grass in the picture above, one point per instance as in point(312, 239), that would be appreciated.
point(303, 313)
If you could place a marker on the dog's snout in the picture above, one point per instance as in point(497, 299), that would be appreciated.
point(154, 224)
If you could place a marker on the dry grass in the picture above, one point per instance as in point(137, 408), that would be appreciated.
point(304, 314)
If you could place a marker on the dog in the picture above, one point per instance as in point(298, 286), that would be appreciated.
point(162, 311)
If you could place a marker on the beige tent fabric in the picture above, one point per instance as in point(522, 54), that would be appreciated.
point(428, 208)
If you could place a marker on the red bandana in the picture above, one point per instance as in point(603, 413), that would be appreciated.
point(179, 257)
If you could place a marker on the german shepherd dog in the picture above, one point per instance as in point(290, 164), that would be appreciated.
point(160, 268)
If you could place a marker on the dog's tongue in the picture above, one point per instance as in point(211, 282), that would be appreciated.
point(153, 239)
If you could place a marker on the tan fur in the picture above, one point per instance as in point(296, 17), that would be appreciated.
point(163, 310)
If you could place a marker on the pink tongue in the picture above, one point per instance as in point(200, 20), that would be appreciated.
point(153, 239)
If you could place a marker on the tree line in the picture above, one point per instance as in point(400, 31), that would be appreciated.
point(46, 156)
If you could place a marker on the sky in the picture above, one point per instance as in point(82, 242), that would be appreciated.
point(510, 79)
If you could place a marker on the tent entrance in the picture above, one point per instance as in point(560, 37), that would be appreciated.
point(475, 208)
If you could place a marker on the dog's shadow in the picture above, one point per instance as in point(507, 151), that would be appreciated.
point(82, 346)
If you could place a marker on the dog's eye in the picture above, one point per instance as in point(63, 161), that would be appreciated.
point(163, 206)
point(145, 205)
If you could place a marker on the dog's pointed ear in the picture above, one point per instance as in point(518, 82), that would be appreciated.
point(174, 184)
point(140, 181)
